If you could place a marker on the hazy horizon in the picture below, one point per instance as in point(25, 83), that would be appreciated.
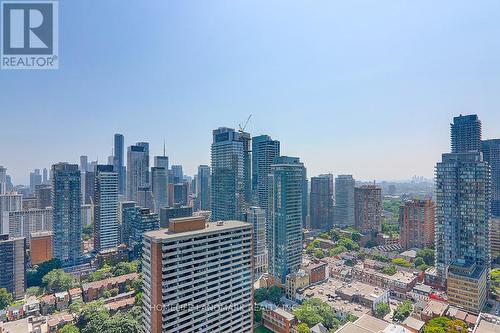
point(366, 92)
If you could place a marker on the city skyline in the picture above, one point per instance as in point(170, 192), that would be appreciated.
point(318, 78)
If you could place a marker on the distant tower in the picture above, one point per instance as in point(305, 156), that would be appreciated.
point(203, 187)
point(159, 187)
point(368, 209)
point(137, 169)
point(13, 267)
point(264, 151)
point(228, 175)
point(466, 134)
point(284, 232)
point(344, 200)
point(491, 154)
point(84, 163)
point(321, 198)
point(67, 222)
point(257, 217)
point(106, 208)
point(118, 162)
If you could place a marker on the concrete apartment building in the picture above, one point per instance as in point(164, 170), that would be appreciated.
point(198, 277)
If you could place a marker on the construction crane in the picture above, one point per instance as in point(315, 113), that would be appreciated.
point(242, 129)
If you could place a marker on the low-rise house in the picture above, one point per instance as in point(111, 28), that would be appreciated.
point(421, 292)
point(319, 328)
point(15, 312)
point(294, 282)
point(32, 306)
point(317, 272)
point(120, 305)
point(431, 278)
point(47, 304)
point(399, 284)
point(434, 309)
point(364, 294)
point(57, 321)
point(412, 324)
point(62, 300)
point(75, 294)
point(95, 290)
point(277, 319)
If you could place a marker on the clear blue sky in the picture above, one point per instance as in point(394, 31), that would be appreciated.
point(362, 87)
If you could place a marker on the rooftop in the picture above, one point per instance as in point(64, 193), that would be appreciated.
point(211, 227)
point(101, 283)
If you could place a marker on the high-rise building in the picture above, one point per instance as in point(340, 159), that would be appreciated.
point(22, 223)
point(45, 177)
point(161, 162)
point(67, 222)
point(106, 208)
point(35, 179)
point(264, 151)
point(177, 173)
point(466, 134)
point(198, 277)
point(284, 233)
point(368, 209)
point(228, 175)
point(3, 180)
point(140, 220)
point(416, 224)
point(257, 217)
point(495, 239)
point(159, 187)
point(119, 162)
point(9, 202)
point(89, 190)
point(203, 187)
point(84, 163)
point(137, 169)
point(40, 245)
point(321, 202)
point(462, 210)
point(43, 194)
point(124, 224)
point(344, 200)
point(145, 198)
point(181, 194)
point(168, 213)
point(13, 267)
point(491, 154)
point(467, 285)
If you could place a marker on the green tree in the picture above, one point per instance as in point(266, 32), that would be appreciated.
point(337, 250)
point(69, 328)
point(445, 325)
point(401, 262)
point(313, 311)
point(403, 310)
point(427, 255)
point(260, 295)
point(312, 246)
point(418, 261)
point(303, 328)
point(355, 236)
point(34, 291)
point(275, 294)
point(334, 235)
point(323, 235)
point(257, 315)
point(124, 267)
point(349, 244)
point(319, 254)
point(75, 307)
point(389, 270)
point(137, 285)
point(57, 280)
point(34, 276)
point(381, 309)
point(5, 298)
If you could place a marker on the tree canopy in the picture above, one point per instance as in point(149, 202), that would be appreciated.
point(57, 280)
point(5, 298)
point(314, 311)
point(403, 310)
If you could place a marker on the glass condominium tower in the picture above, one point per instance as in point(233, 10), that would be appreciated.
point(264, 151)
point(106, 208)
point(66, 220)
point(463, 199)
point(228, 175)
point(284, 232)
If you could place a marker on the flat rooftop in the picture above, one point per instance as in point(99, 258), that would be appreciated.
point(210, 227)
